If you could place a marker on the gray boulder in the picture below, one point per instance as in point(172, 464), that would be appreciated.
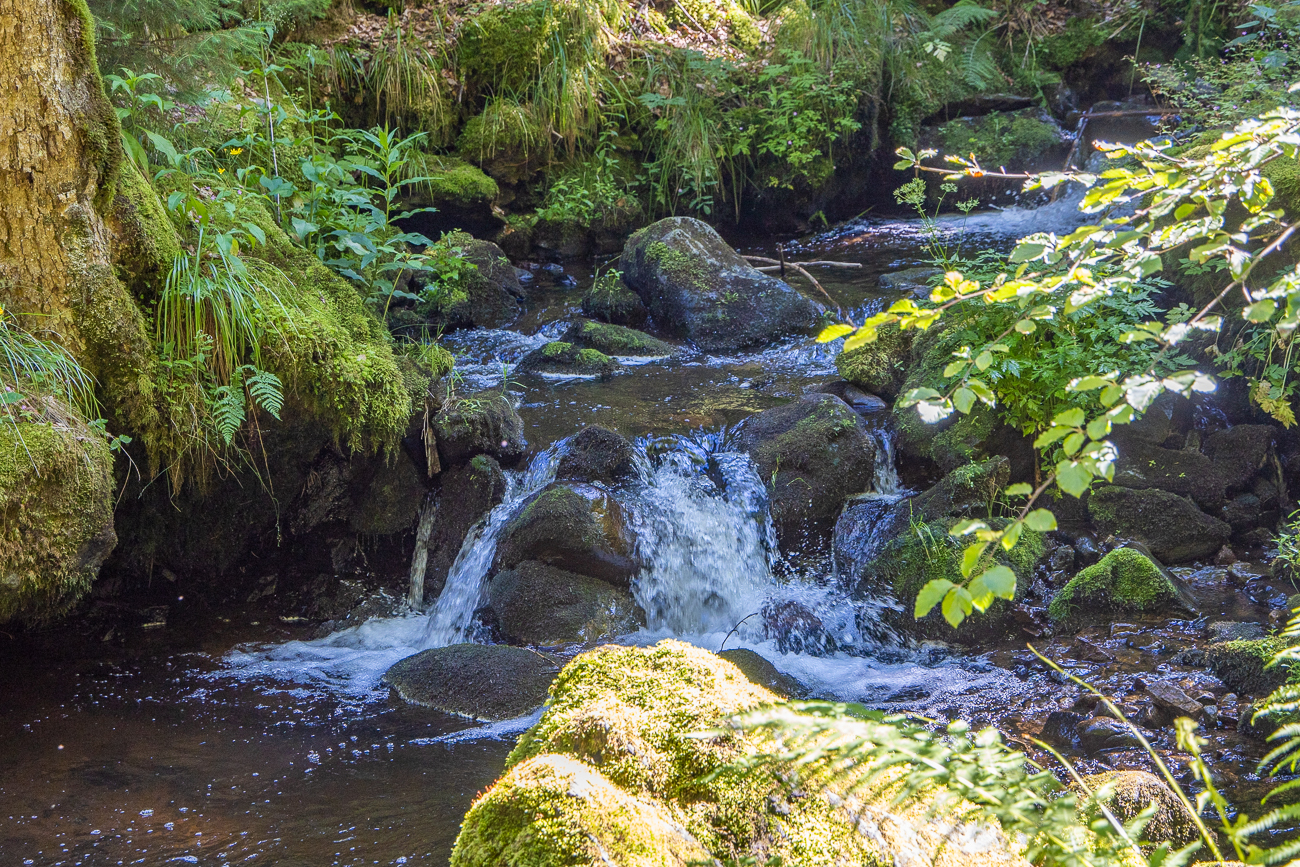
point(1240, 452)
point(697, 287)
point(481, 682)
point(1142, 464)
point(1170, 526)
point(576, 527)
point(539, 604)
point(479, 424)
point(597, 454)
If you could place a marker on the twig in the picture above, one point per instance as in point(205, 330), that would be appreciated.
point(799, 267)
point(733, 630)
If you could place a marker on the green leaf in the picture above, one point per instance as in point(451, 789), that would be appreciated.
point(1099, 427)
point(1000, 581)
point(1073, 443)
point(1050, 436)
point(1088, 383)
point(967, 526)
point(1026, 326)
point(1020, 489)
point(1260, 311)
point(1011, 535)
point(957, 606)
point(970, 558)
point(1027, 251)
point(1073, 478)
point(1040, 520)
point(930, 595)
point(1069, 418)
point(983, 360)
point(834, 332)
point(954, 368)
point(964, 399)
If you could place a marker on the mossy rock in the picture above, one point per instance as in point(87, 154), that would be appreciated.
point(610, 300)
point(501, 48)
point(1017, 138)
point(1170, 526)
point(812, 453)
point(506, 140)
point(1132, 792)
point(629, 719)
point(56, 498)
point(1244, 665)
point(455, 184)
point(539, 604)
point(563, 359)
point(762, 672)
point(484, 423)
point(572, 526)
point(488, 297)
point(879, 367)
point(480, 682)
point(1191, 474)
point(617, 340)
point(391, 500)
point(1124, 582)
point(742, 30)
point(699, 288)
point(925, 552)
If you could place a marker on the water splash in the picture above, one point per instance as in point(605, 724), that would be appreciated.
point(452, 617)
point(886, 482)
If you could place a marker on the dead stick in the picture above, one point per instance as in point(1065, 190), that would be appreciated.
point(810, 278)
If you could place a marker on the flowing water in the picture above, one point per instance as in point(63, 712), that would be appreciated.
point(228, 739)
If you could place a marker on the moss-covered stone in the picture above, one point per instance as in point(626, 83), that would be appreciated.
point(570, 526)
point(630, 719)
point(1245, 667)
point(506, 140)
point(813, 453)
point(56, 506)
point(1131, 792)
point(597, 454)
point(486, 297)
point(1123, 582)
point(484, 423)
point(617, 340)
point(454, 183)
point(610, 300)
point(879, 367)
point(762, 672)
point(539, 604)
point(1170, 526)
point(560, 358)
point(1002, 139)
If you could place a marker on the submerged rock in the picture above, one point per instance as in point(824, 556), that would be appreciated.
point(597, 454)
point(1169, 525)
point(1099, 733)
point(485, 423)
point(812, 453)
point(539, 604)
point(697, 287)
point(618, 749)
point(1124, 582)
point(610, 300)
point(570, 526)
point(1131, 792)
point(481, 682)
point(914, 281)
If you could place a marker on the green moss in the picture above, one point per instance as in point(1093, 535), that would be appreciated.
point(454, 182)
point(1000, 139)
point(501, 48)
point(1069, 46)
point(1245, 665)
point(617, 340)
point(961, 441)
point(56, 503)
point(592, 358)
point(100, 130)
point(878, 367)
point(556, 348)
point(1125, 581)
point(742, 30)
point(1284, 175)
point(146, 242)
point(507, 140)
point(680, 267)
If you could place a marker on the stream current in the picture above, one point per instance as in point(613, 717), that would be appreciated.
point(229, 739)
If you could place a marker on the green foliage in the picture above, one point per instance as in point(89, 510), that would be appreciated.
point(32, 366)
point(449, 274)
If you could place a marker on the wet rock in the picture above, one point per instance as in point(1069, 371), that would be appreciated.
point(967, 490)
point(1142, 464)
point(1100, 733)
point(796, 629)
point(1124, 582)
point(1131, 792)
point(561, 358)
point(485, 423)
point(1085, 650)
point(610, 300)
point(570, 526)
point(1240, 452)
point(597, 454)
point(1171, 526)
point(858, 400)
point(867, 524)
point(1061, 728)
point(539, 604)
point(1243, 665)
point(813, 453)
point(913, 281)
point(488, 683)
point(616, 340)
point(1231, 630)
point(1242, 513)
point(467, 494)
point(1170, 699)
point(697, 287)
point(879, 367)
point(764, 673)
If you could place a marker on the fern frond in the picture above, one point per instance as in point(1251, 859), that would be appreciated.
point(266, 390)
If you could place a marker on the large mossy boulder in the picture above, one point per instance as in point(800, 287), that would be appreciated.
point(1123, 583)
point(539, 604)
point(699, 288)
point(481, 682)
point(56, 499)
point(812, 453)
point(1170, 526)
point(485, 423)
point(616, 773)
point(1240, 452)
point(487, 297)
point(576, 527)
point(1142, 465)
point(1132, 792)
point(597, 454)
point(1244, 665)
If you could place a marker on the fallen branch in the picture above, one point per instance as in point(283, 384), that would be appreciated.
point(782, 264)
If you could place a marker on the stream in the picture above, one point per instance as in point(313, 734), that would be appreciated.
point(232, 737)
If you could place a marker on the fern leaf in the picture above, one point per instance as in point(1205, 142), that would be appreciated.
point(266, 391)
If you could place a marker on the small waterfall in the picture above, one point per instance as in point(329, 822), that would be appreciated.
point(707, 544)
point(453, 614)
point(886, 482)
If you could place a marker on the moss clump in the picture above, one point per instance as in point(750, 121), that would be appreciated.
point(617, 340)
point(56, 499)
point(1245, 667)
point(742, 30)
point(1135, 791)
point(562, 358)
point(1068, 47)
point(881, 366)
point(1125, 581)
point(999, 138)
point(556, 348)
point(146, 242)
point(506, 140)
point(501, 48)
point(455, 183)
point(610, 300)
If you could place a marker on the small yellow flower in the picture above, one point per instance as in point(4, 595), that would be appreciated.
point(234, 152)
point(221, 171)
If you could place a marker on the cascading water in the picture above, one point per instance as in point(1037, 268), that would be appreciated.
point(452, 617)
point(886, 482)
